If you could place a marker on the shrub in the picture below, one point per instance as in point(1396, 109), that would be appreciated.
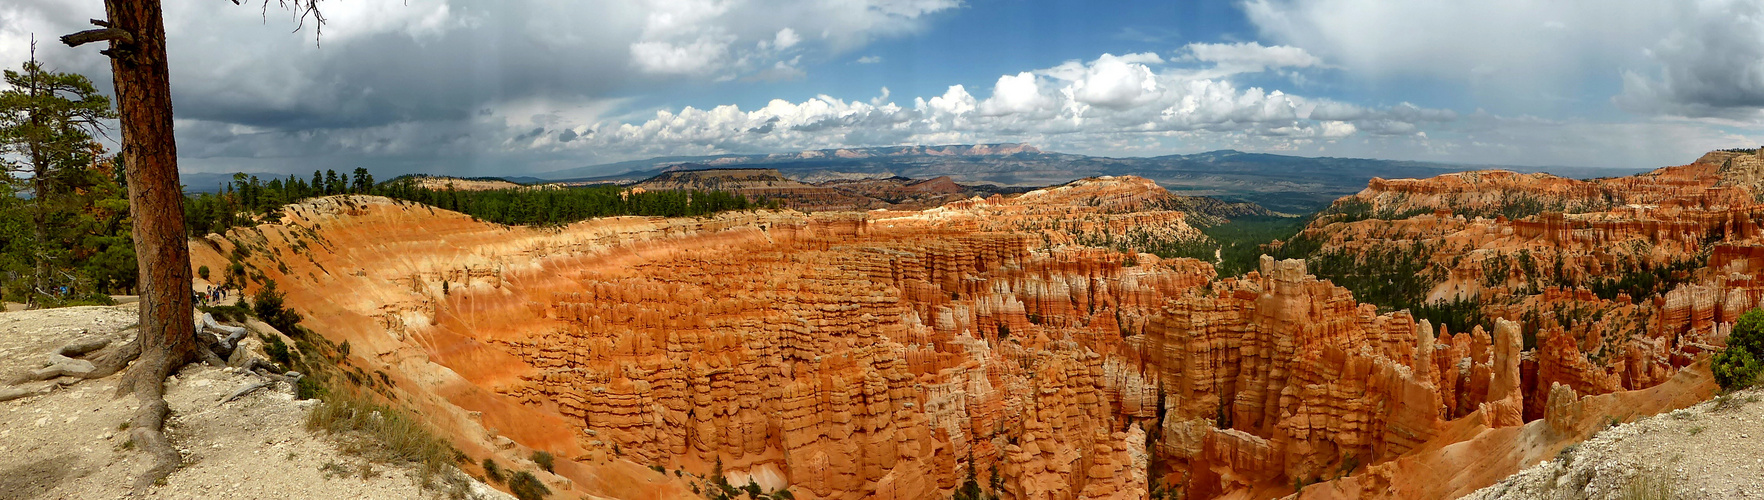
point(81, 299)
point(526, 487)
point(1648, 485)
point(202, 272)
point(380, 433)
point(278, 351)
point(233, 313)
point(1735, 368)
point(491, 470)
point(545, 460)
point(1748, 333)
point(269, 307)
point(308, 388)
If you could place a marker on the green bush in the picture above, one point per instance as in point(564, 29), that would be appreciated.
point(545, 460)
point(1748, 333)
point(202, 272)
point(491, 471)
point(278, 351)
point(233, 313)
point(308, 388)
point(269, 308)
point(88, 299)
point(526, 487)
point(1735, 368)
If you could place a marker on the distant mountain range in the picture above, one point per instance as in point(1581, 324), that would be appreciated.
point(1289, 184)
point(898, 193)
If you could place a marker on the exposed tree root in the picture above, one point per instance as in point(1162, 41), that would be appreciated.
point(149, 434)
point(25, 389)
point(99, 358)
point(208, 356)
point(269, 378)
point(146, 379)
point(64, 362)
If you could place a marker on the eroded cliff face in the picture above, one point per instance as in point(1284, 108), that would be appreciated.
point(897, 354)
point(1618, 286)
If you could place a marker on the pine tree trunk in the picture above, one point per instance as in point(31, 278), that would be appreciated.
point(39, 198)
point(40, 226)
point(156, 201)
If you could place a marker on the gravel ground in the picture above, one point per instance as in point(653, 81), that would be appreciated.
point(1707, 451)
point(69, 444)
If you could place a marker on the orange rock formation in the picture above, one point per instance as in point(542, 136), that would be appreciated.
point(899, 354)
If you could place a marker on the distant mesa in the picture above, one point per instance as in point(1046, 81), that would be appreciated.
point(894, 192)
point(461, 184)
point(1287, 184)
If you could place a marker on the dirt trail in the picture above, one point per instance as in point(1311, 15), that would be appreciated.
point(68, 443)
point(1707, 451)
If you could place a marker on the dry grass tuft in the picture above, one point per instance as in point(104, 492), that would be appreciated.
point(380, 433)
point(1648, 485)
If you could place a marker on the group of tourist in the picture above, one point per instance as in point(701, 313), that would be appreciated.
point(208, 297)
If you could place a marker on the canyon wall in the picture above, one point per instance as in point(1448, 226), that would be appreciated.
point(1006, 341)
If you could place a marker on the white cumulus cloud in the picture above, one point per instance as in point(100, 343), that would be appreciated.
point(698, 57)
point(1111, 101)
point(1019, 93)
point(1248, 57)
point(1111, 82)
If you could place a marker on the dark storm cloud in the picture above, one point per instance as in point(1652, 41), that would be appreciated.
point(428, 79)
point(492, 54)
point(1714, 68)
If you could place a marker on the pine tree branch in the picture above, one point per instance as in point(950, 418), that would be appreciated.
point(97, 35)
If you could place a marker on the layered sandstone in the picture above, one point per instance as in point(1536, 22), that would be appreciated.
point(856, 356)
point(889, 353)
point(1618, 285)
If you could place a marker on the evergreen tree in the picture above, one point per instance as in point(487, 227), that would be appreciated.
point(364, 181)
point(47, 120)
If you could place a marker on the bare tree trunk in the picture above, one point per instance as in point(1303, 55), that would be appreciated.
point(39, 251)
point(40, 190)
point(156, 201)
point(40, 226)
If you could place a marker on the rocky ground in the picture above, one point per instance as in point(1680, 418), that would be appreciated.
point(1706, 451)
point(69, 442)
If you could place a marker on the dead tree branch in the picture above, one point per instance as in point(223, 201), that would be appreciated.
point(97, 35)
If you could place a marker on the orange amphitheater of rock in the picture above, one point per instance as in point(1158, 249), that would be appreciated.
point(890, 354)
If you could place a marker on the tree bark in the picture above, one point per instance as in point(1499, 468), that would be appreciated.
point(156, 201)
point(156, 198)
point(39, 196)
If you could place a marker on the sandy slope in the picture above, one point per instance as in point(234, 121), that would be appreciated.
point(67, 443)
point(1707, 451)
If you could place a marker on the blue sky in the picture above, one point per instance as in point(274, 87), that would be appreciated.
point(983, 39)
point(514, 87)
